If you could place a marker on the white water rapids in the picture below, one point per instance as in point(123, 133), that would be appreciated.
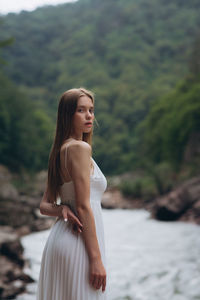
point(146, 259)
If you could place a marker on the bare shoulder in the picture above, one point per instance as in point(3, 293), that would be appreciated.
point(77, 148)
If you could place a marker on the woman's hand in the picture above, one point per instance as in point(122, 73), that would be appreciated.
point(97, 274)
point(72, 218)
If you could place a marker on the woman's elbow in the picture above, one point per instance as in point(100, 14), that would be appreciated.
point(41, 209)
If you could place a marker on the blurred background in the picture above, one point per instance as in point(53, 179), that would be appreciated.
point(142, 60)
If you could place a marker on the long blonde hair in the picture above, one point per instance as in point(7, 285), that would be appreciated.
point(66, 109)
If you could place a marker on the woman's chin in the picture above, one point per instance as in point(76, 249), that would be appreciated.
point(87, 130)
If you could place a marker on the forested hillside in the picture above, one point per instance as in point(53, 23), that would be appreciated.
point(132, 54)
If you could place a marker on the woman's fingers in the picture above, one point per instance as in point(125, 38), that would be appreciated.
point(75, 220)
point(69, 216)
point(98, 281)
point(104, 284)
point(74, 229)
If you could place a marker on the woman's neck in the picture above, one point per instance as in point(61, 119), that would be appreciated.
point(78, 138)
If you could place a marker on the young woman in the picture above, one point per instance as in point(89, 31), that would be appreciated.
point(73, 260)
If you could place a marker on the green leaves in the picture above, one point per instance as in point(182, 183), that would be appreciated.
point(171, 122)
point(130, 53)
point(25, 132)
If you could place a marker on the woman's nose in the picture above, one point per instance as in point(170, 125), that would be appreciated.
point(89, 114)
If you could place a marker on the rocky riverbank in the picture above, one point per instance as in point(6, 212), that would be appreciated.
point(13, 279)
point(180, 204)
point(13, 266)
point(20, 215)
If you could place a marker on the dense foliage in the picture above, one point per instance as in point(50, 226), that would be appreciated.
point(131, 54)
point(25, 131)
point(171, 122)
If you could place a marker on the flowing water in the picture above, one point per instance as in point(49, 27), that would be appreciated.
point(146, 259)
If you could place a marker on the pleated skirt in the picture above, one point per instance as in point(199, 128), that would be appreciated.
point(64, 272)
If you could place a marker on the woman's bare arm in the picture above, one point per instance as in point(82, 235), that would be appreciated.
point(80, 160)
point(46, 207)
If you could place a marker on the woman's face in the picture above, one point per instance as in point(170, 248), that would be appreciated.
point(84, 116)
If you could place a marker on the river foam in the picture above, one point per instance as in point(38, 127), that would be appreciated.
point(146, 259)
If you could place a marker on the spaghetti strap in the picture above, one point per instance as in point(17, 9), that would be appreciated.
point(66, 162)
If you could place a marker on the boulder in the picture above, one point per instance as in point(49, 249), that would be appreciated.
point(182, 201)
point(13, 280)
point(7, 189)
point(113, 198)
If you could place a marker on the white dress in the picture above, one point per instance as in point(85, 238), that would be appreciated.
point(64, 272)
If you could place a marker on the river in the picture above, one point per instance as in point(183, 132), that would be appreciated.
point(146, 259)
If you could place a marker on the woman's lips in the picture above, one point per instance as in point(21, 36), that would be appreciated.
point(88, 124)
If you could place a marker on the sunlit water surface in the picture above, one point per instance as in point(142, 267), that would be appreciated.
point(146, 259)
